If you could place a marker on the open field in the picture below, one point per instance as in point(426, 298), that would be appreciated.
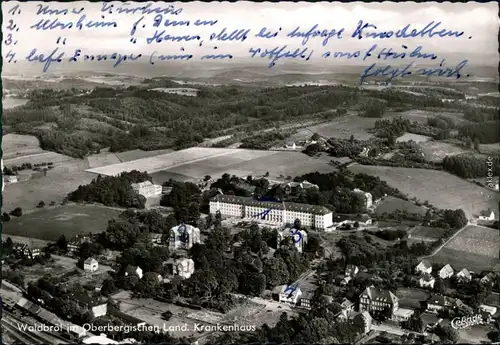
point(435, 151)
point(421, 116)
point(475, 239)
point(52, 222)
point(440, 188)
point(31, 241)
point(195, 163)
point(342, 128)
point(475, 248)
point(415, 137)
point(138, 154)
point(54, 267)
point(426, 232)
point(391, 204)
point(53, 187)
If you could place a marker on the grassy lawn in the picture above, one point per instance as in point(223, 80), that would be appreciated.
point(440, 188)
point(427, 232)
point(459, 259)
point(52, 222)
point(391, 204)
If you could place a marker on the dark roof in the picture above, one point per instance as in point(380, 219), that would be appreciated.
point(486, 213)
point(427, 277)
point(426, 264)
point(289, 206)
point(380, 295)
point(437, 299)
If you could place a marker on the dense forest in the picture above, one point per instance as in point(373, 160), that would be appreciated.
point(78, 123)
point(135, 117)
point(469, 166)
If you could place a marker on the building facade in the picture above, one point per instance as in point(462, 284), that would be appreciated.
point(183, 267)
point(183, 236)
point(375, 300)
point(368, 197)
point(147, 188)
point(317, 217)
point(424, 267)
point(446, 272)
point(91, 265)
point(297, 237)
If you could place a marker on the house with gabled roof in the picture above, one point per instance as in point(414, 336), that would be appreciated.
point(487, 215)
point(133, 271)
point(376, 300)
point(464, 275)
point(426, 280)
point(488, 279)
point(446, 272)
point(438, 302)
point(424, 267)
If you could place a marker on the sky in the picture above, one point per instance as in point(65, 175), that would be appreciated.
point(479, 21)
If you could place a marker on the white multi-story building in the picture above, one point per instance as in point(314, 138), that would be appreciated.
point(298, 237)
point(368, 197)
point(91, 265)
point(147, 188)
point(318, 217)
point(183, 236)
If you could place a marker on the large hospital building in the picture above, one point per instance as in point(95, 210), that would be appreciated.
point(317, 217)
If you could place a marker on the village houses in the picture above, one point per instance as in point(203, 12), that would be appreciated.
point(446, 272)
point(424, 267)
point(464, 275)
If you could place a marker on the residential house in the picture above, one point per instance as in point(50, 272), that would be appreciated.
point(402, 314)
point(361, 320)
point(464, 275)
point(368, 197)
point(298, 238)
point(10, 179)
point(98, 307)
point(376, 300)
point(488, 279)
point(90, 265)
point(487, 215)
point(156, 239)
point(166, 190)
point(24, 250)
point(363, 219)
point(183, 267)
point(351, 270)
point(446, 272)
point(426, 280)
point(287, 294)
point(147, 189)
point(487, 312)
point(133, 270)
point(438, 302)
point(183, 236)
point(75, 244)
point(306, 299)
point(424, 267)
point(347, 305)
point(297, 187)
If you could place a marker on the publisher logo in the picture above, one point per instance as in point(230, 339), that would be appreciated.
point(466, 321)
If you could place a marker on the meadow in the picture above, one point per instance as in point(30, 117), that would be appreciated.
point(195, 163)
point(69, 220)
point(475, 248)
point(391, 204)
point(435, 151)
point(441, 189)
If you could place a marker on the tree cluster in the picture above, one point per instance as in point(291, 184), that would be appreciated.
point(470, 166)
point(112, 190)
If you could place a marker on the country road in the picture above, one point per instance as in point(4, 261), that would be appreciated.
point(445, 243)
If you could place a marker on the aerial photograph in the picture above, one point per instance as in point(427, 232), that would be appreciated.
point(189, 181)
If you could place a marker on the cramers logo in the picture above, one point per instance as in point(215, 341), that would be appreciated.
point(467, 321)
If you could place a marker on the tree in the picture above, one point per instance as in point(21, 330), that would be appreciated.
point(447, 334)
point(297, 224)
point(41, 204)
point(477, 144)
point(167, 315)
point(5, 217)
point(266, 174)
point(415, 323)
point(17, 212)
point(62, 243)
point(207, 178)
point(315, 137)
